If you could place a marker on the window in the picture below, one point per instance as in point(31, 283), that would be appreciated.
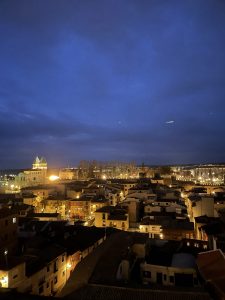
point(41, 289)
point(147, 274)
point(195, 281)
point(14, 220)
point(165, 277)
point(103, 216)
point(15, 276)
point(48, 268)
point(55, 280)
point(63, 273)
point(41, 281)
point(63, 258)
point(47, 284)
point(171, 279)
point(55, 266)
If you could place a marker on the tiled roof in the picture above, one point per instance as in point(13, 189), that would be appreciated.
point(211, 265)
point(102, 292)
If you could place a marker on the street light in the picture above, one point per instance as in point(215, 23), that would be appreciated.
point(6, 256)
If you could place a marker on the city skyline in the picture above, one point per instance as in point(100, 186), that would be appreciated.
point(124, 80)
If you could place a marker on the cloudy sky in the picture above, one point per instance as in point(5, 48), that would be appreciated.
point(102, 79)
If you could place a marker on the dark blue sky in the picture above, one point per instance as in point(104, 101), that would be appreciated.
point(84, 79)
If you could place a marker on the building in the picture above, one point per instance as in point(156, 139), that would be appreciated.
point(35, 176)
point(211, 266)
point(68, 174)
point(200, 205)
point(112, 216)
point(8, 232)
point(166, 266)
point(39, 163)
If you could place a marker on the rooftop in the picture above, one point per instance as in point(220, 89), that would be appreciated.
point(5, 212)
point(211, 266)
point(103, 292)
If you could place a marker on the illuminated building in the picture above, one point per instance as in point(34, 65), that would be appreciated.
point(39, 163)
point(35, 176)
point(112, 216)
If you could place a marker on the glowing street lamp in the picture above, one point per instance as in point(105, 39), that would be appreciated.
point(53, 178)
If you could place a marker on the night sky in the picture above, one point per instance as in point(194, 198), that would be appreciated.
point(140, 80)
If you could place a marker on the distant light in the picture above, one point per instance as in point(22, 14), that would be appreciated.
point(104, 177)
point(68, 266)
point(161, 236)
point(5, 252)
point(53, 177)
point(4, 281)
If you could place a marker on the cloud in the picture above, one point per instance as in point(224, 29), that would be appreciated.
point(70, 70)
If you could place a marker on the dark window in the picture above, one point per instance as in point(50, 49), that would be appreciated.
point(63, 258)
point(6, 222)
point(103, 216)
point(41, 289)
point(195, 281)
point(55, 280)
point(48, 268)
point(183, 279)
point(63, 273)
point(15, 276)
point(159, 278)
point(171, 279)
point(55, 266)
point(47, 285)
point(164, 277)
point(147, 274)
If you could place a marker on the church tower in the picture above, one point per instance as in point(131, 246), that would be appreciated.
point(39, 163)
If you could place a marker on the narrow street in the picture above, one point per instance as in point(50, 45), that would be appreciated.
point(85, 268)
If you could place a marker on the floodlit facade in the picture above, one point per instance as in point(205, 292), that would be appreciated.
point(110, 216)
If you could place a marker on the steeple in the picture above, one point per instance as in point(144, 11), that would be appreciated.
point(39, 163)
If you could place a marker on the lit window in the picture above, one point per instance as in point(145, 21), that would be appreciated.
point(14, 220)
